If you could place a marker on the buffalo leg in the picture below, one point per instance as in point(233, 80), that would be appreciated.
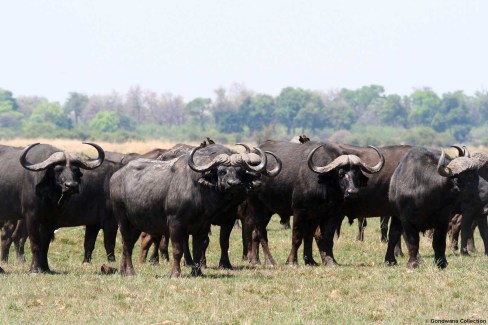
point(91, 233)
point(296, 240)
point(163, 247)
point(470, 244)
point(384, 228)
point(361, 225)
point(198, 241)
point(328, 228)
point(109, 238)
point(20, 237)
point(129, 237)
point(38, 264)
point(225, 231)
point(188, 259)
point(263, 240)
point(310, 227)
point(394, 236)
point(178, 237)
point(439, 245)
point(454, 229)
point(483, 228)
point(412, 238)
point(7, 239)
point(466, 224)
point(146, 242)
point(155, 241)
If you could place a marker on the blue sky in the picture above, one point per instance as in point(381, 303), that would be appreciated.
point(190, 48)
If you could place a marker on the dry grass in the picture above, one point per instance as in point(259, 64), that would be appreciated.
point(78, 146)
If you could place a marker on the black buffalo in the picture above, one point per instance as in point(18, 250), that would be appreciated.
point(315, 180)
point(426, 193)
point(41, 192)
point(181, 197)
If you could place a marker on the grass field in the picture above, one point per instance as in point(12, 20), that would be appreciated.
point(361, 290)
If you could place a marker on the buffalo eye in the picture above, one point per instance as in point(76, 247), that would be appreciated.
point(341, 173)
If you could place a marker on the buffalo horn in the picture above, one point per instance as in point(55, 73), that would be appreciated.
point(55, 158)
point(441, 169)
point(275, 171)
point(222, 158)
point(377, 167)
point(92, 163)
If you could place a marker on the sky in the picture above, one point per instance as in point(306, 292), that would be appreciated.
point(190, 48)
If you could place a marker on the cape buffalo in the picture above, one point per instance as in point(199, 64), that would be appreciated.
point(426, 193)
point(40, 192)
point(181, 196)
point(312, 186)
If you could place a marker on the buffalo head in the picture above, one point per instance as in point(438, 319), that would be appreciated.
point(63, 168)
point(348, 169)
point(234, 171)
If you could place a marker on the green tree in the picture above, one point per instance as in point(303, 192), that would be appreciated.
point(360, 99)
point(50, 113)
point(312, 115)
point(392, 111)
point(453, 115)
point(424, 105)
point(105, 121)
point(288, 104)
point(74, 105)
point(10, 117)
point(198, 111)
point(257, 112)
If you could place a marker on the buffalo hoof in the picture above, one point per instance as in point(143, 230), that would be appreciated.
point(111, 258)
point(127, 272)
point(225, 266)
point(154, 261)
point(175, 274)
point(412, 264)
point(196, 271)
point(398, 252)
point(310, 262)
point(38, 269)
point(270, 262)
point(391, 262)
point(464, 252)
point(106, 269)
point(254, 262)
point(441, 263)
point(329, 261)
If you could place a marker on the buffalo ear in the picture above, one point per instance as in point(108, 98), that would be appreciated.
point(208, 179)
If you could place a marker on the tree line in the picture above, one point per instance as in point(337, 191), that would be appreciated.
point(361, 116)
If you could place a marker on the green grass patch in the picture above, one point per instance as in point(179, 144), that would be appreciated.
point(361, 290)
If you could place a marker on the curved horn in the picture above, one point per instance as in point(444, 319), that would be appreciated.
point(275, 171)
point(441, 169)
point(53, 159)
point(466, 152)
point(376, 168)
point(262, 165)
point(217, 160)
point(322, 170)
point(461, 151)
point(92, 163)
point(248, 150)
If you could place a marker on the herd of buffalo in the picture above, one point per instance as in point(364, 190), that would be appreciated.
point(170, 194)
